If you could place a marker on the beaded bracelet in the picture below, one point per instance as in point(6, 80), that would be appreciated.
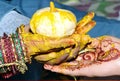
point(18, 48)
point(2, 70)
point(7, 57)
point(19, 31)
point(3, 54)
point(11, 55)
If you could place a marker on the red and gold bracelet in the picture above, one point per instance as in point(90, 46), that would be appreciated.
point(12, 55)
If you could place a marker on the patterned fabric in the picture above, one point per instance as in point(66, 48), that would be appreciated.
point(106, 8)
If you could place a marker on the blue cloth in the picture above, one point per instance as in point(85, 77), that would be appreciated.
point(28, 7)
point(10, 21)
point(5, 8)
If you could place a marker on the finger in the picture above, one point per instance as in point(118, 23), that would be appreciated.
point(69, 55)
point(85, 29)
point(58, 60)
point(45, 57)
point(73, 53)
point(58, 57)
point(86, 19)
point(81, 40)
point(27, 28)
point(24, 29)
point(54, 57)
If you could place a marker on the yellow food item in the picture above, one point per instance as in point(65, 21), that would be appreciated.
point(53, 22)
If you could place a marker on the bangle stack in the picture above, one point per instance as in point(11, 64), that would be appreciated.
point(12, 55)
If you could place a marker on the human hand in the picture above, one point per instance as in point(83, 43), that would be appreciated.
point(57, 50)
point(36, 44)
point(102, 60)
point(52, 50)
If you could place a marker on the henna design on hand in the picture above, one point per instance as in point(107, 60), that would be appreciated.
point(106, 50)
